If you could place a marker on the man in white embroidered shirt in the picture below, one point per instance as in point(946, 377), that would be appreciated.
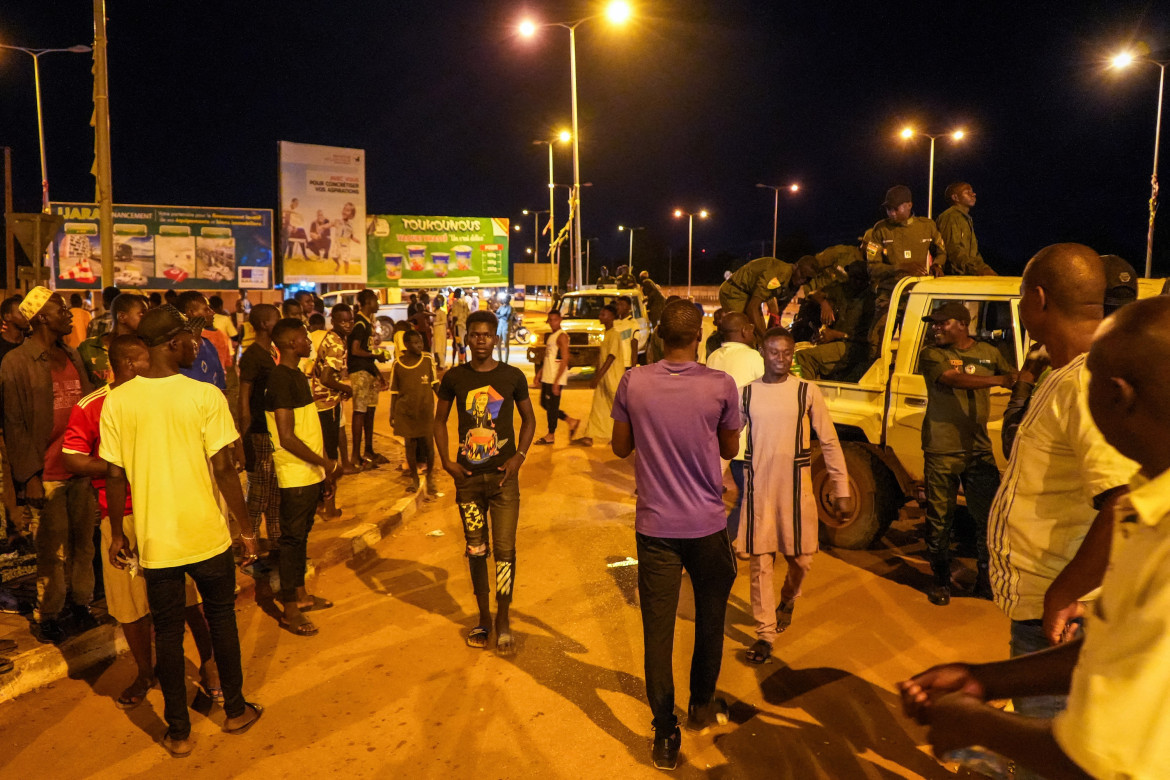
point(1116, 724)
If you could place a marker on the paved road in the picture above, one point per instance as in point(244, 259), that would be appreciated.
point(388, 688)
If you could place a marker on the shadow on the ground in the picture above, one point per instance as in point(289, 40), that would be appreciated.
point(827, 723)
point(417, 584)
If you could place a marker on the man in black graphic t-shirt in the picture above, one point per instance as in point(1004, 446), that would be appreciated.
point(485, 393)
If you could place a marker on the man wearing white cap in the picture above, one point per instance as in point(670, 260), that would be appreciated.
point(41, 381)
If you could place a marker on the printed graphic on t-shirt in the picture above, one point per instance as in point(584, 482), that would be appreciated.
point(480, 443)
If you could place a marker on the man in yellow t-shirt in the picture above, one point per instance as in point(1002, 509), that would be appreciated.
point(305, 476)
point(169, 435)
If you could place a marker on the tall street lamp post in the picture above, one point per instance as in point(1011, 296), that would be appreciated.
point(617, 12)
point(793, 188)
point(632, 230)
point(36, 57)
point(1124, 60)
point(564, 137)
point(535, 231)
point(955, 135)
point(702, 214)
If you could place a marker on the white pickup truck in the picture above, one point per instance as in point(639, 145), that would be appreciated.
point(879, 418)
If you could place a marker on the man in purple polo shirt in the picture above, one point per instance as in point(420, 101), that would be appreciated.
point(682, 417)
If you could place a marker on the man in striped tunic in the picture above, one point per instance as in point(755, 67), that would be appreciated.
point(780, 512)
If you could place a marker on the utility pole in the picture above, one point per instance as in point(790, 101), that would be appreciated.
point(9, 244)
point(101, 117)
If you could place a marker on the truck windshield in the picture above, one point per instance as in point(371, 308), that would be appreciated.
point(588, 307)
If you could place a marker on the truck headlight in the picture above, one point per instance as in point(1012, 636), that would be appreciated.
point(595, 339)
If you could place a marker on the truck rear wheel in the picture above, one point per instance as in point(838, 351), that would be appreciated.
point(876, 498)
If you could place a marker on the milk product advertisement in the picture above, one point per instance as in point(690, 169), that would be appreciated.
point(431, 252)
point(160, 247)
point(323, 214)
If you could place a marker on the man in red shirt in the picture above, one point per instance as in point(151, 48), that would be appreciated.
point(126, 590)
point(40, 381)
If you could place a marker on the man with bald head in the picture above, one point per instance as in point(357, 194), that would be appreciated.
point(1115, 676)
point(1049, 527)
point(682, 417)
point(739, 359)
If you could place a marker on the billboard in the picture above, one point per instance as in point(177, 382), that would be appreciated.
point(414, 251)
point(158, 247)
point(323, 212)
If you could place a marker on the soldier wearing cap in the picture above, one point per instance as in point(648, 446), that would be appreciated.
point(761, 281)
point(958, 232)
point(1121, 285)
point(903, 242)
point(959, 373)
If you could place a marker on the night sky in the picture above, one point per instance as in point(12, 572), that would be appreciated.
point(689, 105)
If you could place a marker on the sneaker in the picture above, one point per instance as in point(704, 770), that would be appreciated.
point(701, 717)
point(784, 615)
point(51, 631)
point(666, 745)
point(939, 595)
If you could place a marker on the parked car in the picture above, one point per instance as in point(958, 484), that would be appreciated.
point(579, 319)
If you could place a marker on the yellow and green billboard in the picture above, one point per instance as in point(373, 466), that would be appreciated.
point(429, 252)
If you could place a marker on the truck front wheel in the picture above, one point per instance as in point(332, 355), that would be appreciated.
point(876, 498)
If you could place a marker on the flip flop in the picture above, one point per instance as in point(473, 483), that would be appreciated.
point(304, 627)
point(760, 652)
point(168, 745)
point(318, 604)
point(477, 637)
point(242, 729)
point(543, 441)
point(505, 645)
point(135, 694)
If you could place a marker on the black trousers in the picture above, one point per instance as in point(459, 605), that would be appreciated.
point(166, 592)
point(298, 506)
point(551, 405)
point(331, 430)
point(710, 562)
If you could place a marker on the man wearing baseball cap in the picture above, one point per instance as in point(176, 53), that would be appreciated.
point(902, 242)
point(41, 381)
point(168, 435)
point(959, 373)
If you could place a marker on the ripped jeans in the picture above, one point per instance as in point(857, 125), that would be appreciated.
point(481, 500)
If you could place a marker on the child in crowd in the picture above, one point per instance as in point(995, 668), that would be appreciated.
point(412, 406)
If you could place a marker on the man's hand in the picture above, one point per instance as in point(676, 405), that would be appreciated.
point(1010, 379)
point(936, 270)
point(556, 389)
point(118, 546)
point(346, 391)
point(332, 470)
point(251, 549)
point(843, 506)
point(511, 467)
point(951, 722)
point(921, 691)
point(1059, 612)
point(593, 383)
point(456, 471)
point(828, 316)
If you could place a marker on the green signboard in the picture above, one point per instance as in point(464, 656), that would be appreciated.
point(429, 252)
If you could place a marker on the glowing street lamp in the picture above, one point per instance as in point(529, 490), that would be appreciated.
point(955, 135)
point(36, 56)
point(793, 188)
point(632, 230)
point(617, 12)
point(702, 214)
point(536, 228)
point(1124, 60)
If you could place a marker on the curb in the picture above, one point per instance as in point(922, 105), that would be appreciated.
point(44, 664)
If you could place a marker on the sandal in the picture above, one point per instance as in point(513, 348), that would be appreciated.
point(784, 615)
point(213, 692)
point(318, 604)
point(477, 637)
point(545, 440)
point(135, 694)
point(760, 652)
point(241, 729)
point(505, 644)
point(302, 627)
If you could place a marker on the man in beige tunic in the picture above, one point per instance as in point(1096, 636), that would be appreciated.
point(780, 508)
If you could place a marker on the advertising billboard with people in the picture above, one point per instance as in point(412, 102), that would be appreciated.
point(415, 251)
point(159, 247)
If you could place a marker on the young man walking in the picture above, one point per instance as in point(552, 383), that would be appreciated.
point(552, 376)
point(40, 381)
point(256, 365)
point(485, 394)
point(682, 417)
point(169, 435)
point(780, 413)
point(303, 472)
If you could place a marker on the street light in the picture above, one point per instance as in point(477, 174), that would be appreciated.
point(536, 228)
point(1124, 60)
point(632, 231)
point(36, 56)
point(617, 12)
point(564, 137)
point(955, 135)
point(793, 188)
point(702, 214)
